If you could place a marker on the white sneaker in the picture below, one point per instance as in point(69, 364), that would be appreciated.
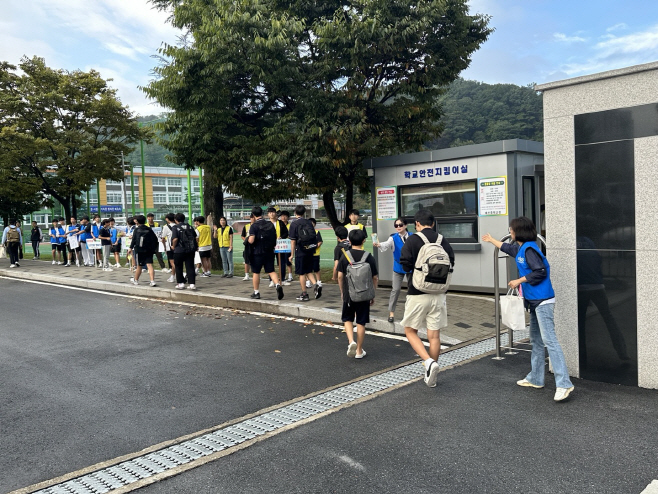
point(246, 277)
point(271, 285)
point(289, 278)
point(527, 384)
point(286, 283)
point(309, 284)
point(351, 349)
point(562, 393)
point(12, 265)
point(117, 265)
point(192, 287)
point(180, 286)
point(108, 269)
point(153, 283)
point(128, 264)
point(134, 281)
point(54, 262)
point(59, 263)
point(171, 279)
point(77, 263)
point(431, 374)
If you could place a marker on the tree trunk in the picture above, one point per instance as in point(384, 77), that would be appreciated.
point(213, 203)
point(349, 197)
point(74, 208)
point(330, 208)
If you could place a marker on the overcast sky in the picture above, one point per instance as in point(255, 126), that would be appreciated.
point(534, 42)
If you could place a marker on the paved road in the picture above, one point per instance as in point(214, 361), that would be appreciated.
point(89, 377)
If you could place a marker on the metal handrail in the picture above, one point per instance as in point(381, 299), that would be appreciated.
point(497, 298)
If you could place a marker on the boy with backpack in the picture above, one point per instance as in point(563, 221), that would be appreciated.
point(184, 243)
point(430, 257)
point(262, 239)
point(12, 238)
point(303, 242)
point(316, 255)
point(357, 279)
point(342, 244)
point(144, 244)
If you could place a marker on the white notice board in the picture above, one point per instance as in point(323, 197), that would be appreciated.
point(387, 203)
point(492, 196)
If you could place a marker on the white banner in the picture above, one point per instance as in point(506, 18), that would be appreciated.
point(282, 245)
point(73, 242)
point(93, 244)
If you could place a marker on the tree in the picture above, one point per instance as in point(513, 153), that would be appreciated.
point(281, 99)
point(64, 129)
point(475, 112)
point(19, 194)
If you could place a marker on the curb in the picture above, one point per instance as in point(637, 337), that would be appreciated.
point(299, 311)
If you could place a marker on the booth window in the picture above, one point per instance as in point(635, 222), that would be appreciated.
point(454, 206)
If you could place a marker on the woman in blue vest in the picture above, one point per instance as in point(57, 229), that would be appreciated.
point(539, 298)
point(395, 242)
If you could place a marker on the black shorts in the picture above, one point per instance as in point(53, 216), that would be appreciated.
point(245, 256)
point(262, 261)
point(359, 309)
point(143, 258)
point(207, 254)
point(316, 264)
point(61, 247)
point(115, 248)
point(170, 255)
point(303, 264)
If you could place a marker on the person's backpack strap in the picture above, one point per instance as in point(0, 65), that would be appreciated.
point(439, 238)
point(423, 237)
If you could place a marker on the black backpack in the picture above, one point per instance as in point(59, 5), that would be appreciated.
point(306, 236)
point(149, 241)
point(267, 233)
point(186, 238)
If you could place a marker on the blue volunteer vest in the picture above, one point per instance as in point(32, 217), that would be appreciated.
point(543, 290)
point(61, 240)
point(113, 235)
point(397, 241)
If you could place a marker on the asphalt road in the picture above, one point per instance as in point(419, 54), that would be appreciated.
point(88, 377)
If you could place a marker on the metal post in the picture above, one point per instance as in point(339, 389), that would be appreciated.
point(98, 195)
point(497, 298)
point(87, 204)
point(124, 199)
point(201, 190)
point(132, 187)
point(141, 147)
point(189, 195)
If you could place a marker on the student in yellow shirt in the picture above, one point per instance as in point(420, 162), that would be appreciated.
point(224, 236)
point(205, 244)
point(354, 222)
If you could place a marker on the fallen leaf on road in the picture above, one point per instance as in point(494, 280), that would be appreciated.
point(277, 351)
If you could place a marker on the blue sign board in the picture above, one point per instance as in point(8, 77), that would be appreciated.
point(106, 209)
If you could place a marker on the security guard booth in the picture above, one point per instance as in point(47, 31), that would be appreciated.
point(471, 190)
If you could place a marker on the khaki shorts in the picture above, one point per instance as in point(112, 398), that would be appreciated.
point(427, 310)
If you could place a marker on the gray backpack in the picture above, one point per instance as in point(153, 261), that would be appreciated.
point(432, 268)
point(359, 280)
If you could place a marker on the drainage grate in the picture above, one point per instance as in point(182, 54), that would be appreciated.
point(131, 471)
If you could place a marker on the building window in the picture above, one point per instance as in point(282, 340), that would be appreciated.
point(159, 181)
point(159, 198)
point(454, 206)
point(174, 182)
point(114, 198)
point(175, 198)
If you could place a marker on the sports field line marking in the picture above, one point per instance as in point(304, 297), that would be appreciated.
point(312, 322)
point(133, 471)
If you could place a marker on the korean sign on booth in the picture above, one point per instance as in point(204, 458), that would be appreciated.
point(386, 202)
point(493, 196)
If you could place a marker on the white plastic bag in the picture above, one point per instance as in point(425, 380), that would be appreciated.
point(3, 252)
point(197, 258)
point(512, 311)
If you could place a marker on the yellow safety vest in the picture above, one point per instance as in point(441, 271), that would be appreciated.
point(351, 227)
point(204, 235)
point(223, 236)
point(155, 225)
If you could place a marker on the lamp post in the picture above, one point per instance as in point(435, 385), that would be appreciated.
point(189, 194)
point(201, 191)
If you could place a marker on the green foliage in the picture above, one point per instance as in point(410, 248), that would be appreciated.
point(62, 130)
point(280, 99)
point(475, 112)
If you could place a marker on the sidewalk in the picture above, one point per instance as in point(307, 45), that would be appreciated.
point(469, 316)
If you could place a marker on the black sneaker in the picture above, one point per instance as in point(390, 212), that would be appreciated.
point(317, 289)
point(279, 292)
point(303, 297)
point(255, 295)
